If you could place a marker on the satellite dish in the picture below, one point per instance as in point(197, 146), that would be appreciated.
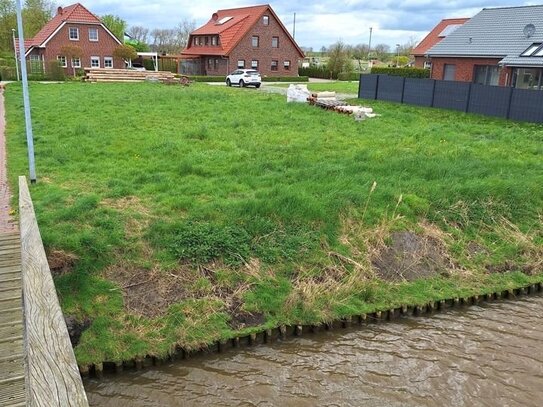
point(529, 30)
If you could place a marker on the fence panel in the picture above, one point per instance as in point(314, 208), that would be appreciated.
point(367, 88)
point(489, 100)
point(452, 95)
point(526, 105)
point(419, 92)
point(390, 88)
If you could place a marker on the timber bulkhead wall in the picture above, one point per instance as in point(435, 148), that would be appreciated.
point(53, 377)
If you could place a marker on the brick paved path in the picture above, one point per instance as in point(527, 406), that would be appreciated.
point(7, 224)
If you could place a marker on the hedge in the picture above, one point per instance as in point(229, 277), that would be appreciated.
point(349, 76)
point(202, 78)
point(405, 72)
point(316, 72)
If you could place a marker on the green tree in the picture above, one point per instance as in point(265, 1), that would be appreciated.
point(137, 45)
point(339, 59)
point(116, 25)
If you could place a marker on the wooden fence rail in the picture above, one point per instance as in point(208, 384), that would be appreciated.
point(53, 377)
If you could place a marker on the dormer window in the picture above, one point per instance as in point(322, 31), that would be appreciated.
point(266, 20)
point(223, 20)
point(214, 40)
point(74, 33)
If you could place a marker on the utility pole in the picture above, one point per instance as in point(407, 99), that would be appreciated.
point(26, 99)
point(369, 49)
point(294, 27)
point(15, 51)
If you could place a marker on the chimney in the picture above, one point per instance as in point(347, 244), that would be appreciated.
point(215, 17)
point(59, 11)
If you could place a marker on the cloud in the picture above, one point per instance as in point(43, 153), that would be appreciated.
point(318, 23)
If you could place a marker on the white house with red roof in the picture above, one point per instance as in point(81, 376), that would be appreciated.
point(246, 37)
point(73, 26)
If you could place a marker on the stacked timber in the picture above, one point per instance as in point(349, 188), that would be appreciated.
point(126, 75)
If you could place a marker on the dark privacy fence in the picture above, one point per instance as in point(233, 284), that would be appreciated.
point(509, 103)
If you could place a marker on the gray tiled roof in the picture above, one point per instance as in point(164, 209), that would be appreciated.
point(496, 32)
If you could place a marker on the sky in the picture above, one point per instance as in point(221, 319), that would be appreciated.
point(318, 23)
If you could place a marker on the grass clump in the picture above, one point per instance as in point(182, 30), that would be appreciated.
point(206, 211)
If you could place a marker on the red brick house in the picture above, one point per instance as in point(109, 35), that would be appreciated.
point(247, 37)
point(73, 25)
point(498, 46)
point(438, 33)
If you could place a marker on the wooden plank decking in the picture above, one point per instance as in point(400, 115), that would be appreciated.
point(12, 368)
point(53, 375)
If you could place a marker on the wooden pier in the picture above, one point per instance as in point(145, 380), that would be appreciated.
point(37, 362)
point(12, 368)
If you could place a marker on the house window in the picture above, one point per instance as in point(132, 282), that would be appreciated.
point(216, 63)
point(254, 41)
point(266, 20)
point(286, 65)
point(527, 78)
point(254, 64)
point(214, 40)
point(210, 63)
point(35, 64)
point(449, 72)
point(74, 33)
point(95, 62)
point(108, 62)
point(206, 40)
point(275, 42)
point(62, 61)
point(241, 63)
point(76, 62)
point(93, 34)
point(274, 65)
point(486, 75)
point(427, 64)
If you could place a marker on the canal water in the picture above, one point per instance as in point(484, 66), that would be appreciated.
point(486, 355)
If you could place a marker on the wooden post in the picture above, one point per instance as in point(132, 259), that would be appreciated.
point(52, 372)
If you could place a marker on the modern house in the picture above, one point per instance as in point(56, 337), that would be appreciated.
point(73, 30)
point(247, 37)
point(498, 46)
point(438, 33)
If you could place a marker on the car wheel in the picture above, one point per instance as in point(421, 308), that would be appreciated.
point(241, 84)
point(257, 86)
point(228, 83)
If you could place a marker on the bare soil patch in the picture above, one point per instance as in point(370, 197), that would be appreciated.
point(61, 262)
point(411, 256)
point(241, 319)
point(149, 292)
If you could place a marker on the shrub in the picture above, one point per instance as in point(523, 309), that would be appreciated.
point(8, 73)
point(405, 72)
point(203, 78)
point(349, 76)
point(316, 72)
point(285, 79)
point(54, 72)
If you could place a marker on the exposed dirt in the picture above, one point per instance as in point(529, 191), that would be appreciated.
point(509, 266)
point(241, 319)
point(475, 249)
point(149, 292)
point(76, 328)
point(61, 262)
point(411, 256)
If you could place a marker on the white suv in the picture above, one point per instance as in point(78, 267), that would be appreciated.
point(244, 77)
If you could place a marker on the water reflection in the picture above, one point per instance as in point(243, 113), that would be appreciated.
point(488, 355)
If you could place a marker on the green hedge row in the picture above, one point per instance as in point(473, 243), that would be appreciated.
point(316, 72)
point(349, 76)
point(405, 72)
point(202, 78)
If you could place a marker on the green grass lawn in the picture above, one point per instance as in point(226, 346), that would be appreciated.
point(335, 86)
point(180, 216)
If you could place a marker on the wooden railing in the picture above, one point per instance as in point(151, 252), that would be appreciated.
point(53, 377)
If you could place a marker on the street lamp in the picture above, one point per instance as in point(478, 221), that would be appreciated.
point(398, 55)
point(15, 51)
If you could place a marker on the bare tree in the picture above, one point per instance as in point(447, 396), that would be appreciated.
point(172, 40)
point(183, 30)
point(139, 33)
point(381, 52)
point(360, 52)
point(339, 59)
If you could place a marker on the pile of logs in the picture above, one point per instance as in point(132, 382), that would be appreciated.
point(329, 101)
point(127, 75)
